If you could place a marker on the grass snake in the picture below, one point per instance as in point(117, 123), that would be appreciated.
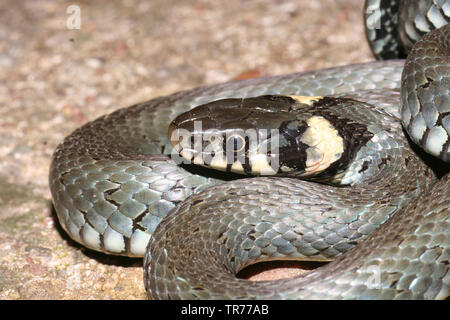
point(369, 202)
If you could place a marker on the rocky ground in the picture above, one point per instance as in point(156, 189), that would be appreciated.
point(54, 79)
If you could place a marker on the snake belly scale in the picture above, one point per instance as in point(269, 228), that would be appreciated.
point(116, 188)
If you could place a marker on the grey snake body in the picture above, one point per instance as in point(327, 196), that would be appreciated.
point(115, 189)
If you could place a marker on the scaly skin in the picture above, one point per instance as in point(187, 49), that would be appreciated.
point(112, 184)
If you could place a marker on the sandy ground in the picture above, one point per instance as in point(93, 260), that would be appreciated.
point(54, 79)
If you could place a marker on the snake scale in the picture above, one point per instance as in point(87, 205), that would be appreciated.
point(371, 205)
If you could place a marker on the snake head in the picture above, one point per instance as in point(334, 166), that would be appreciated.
point(265, 135)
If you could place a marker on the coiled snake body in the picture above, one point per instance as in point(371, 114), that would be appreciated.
point(115, 188)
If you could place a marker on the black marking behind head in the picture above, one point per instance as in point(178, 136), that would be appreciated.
point(292, 151)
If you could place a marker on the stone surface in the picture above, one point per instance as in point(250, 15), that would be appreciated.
point(53, 79)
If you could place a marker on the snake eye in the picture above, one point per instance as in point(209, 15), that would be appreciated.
point(235, 142)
